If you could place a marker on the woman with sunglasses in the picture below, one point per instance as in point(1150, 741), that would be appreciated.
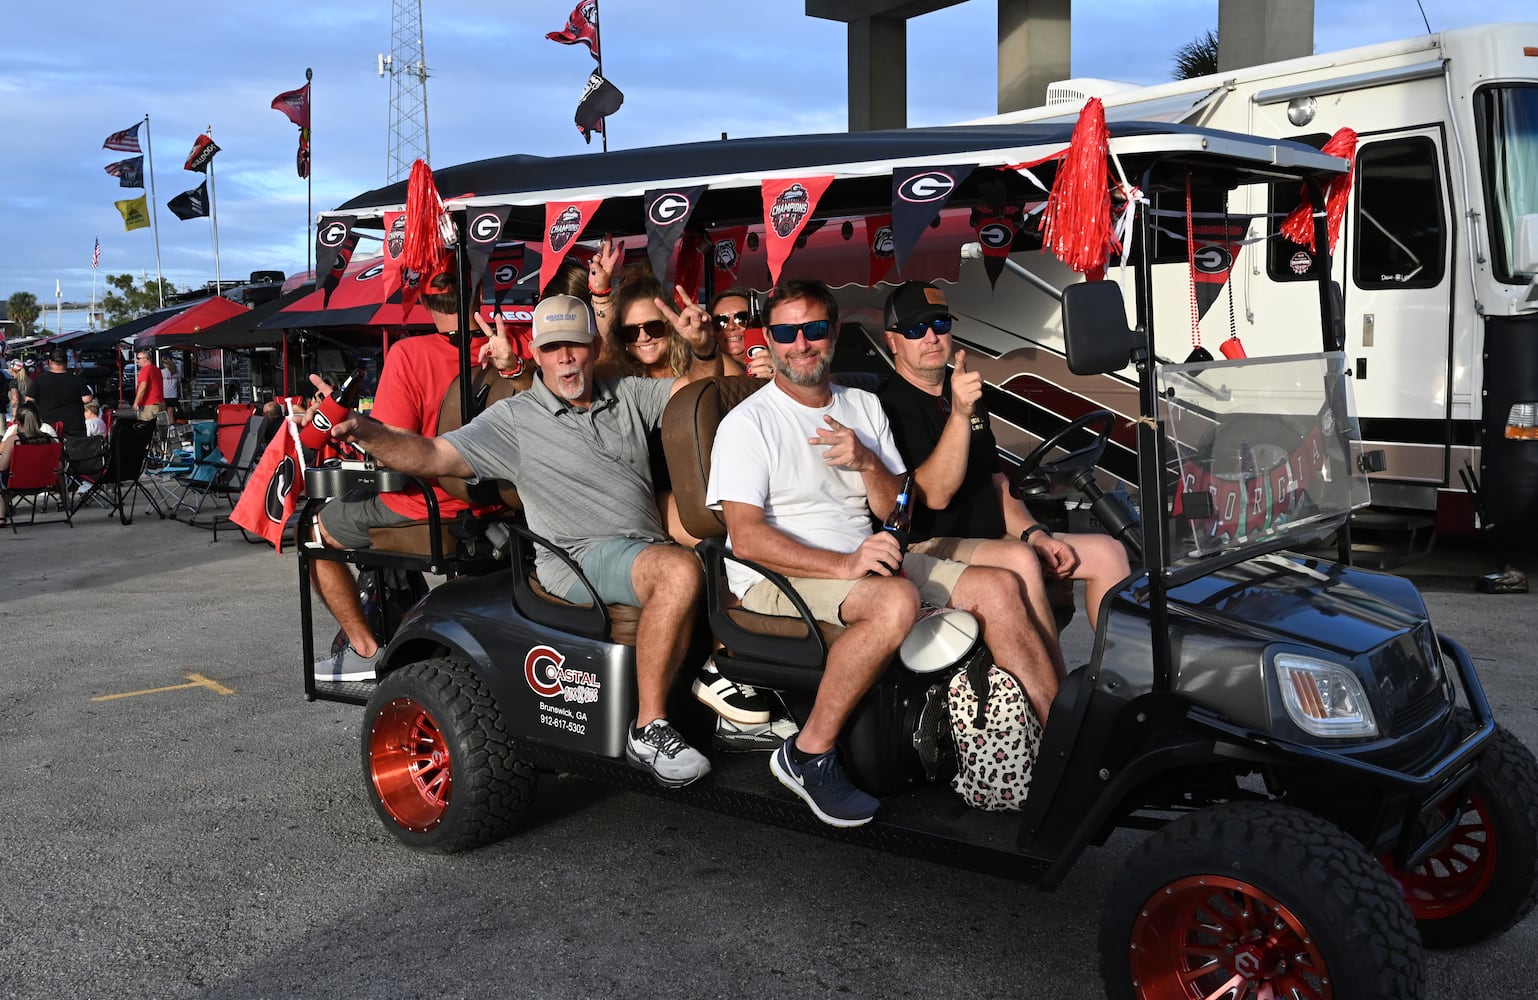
point(731, 312)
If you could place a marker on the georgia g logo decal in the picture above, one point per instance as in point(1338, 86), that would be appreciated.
point(279, 487)
point(996, 236)
point(486, 228)
point(668, 208)
point(332, 234)
point(936, 185)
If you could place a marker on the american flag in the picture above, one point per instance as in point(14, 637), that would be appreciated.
point(126, 141)
point(96, 254)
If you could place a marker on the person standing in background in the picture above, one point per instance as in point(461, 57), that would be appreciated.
point(150, 393)
point(171, 384)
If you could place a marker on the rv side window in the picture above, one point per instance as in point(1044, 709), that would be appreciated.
point(1400, 236)
point(1286, 260)
point(1508, 145)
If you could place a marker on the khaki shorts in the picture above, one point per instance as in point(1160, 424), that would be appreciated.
point(935, 579)
point(956, 549)
point(148, 411)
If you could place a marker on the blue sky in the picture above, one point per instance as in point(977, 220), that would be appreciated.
point(690, 69)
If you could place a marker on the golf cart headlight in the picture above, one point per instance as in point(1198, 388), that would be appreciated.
point(1324, 699)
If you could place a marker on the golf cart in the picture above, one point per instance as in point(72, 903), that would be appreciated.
point(1325, 783)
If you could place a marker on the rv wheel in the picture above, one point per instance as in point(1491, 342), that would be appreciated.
point(1256, 899)
point(440, 769)
point(1485, 878)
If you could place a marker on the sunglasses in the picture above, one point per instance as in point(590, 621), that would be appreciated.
point(724, 320)
point(785, 333)
point(656, 329)
point(941, 326)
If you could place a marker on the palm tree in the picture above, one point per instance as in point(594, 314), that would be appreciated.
point(1198, 57)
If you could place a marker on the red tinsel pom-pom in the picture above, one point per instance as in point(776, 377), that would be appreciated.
point(1299, 225)
point(1076, 224)
point(423, 250)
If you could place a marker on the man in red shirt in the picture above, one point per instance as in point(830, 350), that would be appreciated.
point(416, 377)
point(150, 391)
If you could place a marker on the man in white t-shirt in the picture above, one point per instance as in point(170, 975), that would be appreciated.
point(797, 471)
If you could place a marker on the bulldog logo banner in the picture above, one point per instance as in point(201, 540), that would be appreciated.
point(483, 231)
point(788, 205)
point(878, 239)
point(730, 246)
point(334, 244)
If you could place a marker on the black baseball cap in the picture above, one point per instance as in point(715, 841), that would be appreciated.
point(58, 356)
point(914, 302)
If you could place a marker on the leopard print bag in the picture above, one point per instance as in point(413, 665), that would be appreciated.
point(997, 740)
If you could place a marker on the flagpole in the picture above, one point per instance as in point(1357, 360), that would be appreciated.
point(58, 298)
point(149, 158)
point(213, 215)
point(598, 44)
point(309, 175)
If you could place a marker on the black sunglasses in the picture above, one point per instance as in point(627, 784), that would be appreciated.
point(940, 324)
point(656, 329)
point(785, 333)
point(724, 320)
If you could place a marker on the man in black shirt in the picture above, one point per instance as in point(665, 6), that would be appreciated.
point(60, 395)
point(965, 511)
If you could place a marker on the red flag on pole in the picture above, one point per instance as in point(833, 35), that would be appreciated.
point(295, 104)
point(273, 488)
point(581, 28)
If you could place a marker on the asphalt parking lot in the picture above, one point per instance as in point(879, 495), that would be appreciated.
point(179, 822)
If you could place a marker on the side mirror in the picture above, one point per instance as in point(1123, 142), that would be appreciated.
point(1095, 333)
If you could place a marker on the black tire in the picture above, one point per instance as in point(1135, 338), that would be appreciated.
point(1485, 878)
point(438, 764)
point(1263, 891)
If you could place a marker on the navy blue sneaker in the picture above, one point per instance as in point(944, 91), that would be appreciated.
point(822, 784)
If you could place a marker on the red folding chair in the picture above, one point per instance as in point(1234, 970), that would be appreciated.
point(37, 472)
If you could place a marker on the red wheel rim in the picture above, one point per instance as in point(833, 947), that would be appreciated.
point(409, 765)
point(1457, 875)
point(1208, 937)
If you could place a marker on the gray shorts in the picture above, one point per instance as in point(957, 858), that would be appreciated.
point(607, 564)
point(348, 521)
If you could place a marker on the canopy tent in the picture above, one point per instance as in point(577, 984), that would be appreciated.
point(175, 331)
point(369, 294)
point(242, 329)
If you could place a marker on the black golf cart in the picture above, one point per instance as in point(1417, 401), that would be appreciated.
point(1324, 782)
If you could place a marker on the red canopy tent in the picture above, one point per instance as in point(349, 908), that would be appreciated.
point(174, 331)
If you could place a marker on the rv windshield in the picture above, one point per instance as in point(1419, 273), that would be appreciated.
point(1266, 448)
point(1509, 140)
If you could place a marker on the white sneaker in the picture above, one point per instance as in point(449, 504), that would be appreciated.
point(661, 750)
point(734, 738)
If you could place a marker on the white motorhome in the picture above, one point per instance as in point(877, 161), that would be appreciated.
point(1434, 264)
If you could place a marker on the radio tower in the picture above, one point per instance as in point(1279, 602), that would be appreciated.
point(407, 66)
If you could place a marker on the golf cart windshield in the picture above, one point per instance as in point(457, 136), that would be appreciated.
point(1266, 449)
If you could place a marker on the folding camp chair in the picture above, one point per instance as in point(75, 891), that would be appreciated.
point(37, 472)
point(123, 465)
point(213, 477)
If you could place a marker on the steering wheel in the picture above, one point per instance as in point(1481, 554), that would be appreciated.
point(1034, 477)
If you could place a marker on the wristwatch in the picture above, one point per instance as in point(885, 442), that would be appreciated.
point(1025, 536)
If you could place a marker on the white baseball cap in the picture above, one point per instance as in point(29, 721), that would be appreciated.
point(562, 319)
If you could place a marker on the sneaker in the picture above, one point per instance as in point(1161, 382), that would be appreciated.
point(659, 749)
point(822, 784)
point(348, 665)
point(730, 700)
point(731, 737)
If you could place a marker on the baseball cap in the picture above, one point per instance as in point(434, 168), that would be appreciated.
point(15, 363)
point(562, 319)
point(58, 356)
point(912, 303)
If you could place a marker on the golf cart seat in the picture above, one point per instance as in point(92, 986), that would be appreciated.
point(768, 650)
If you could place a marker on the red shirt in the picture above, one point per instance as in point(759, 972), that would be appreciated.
point(416, 376)
point(157, 389)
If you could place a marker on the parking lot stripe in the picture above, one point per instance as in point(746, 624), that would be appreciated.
point(194, 681)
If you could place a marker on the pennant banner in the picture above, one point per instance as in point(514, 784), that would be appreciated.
point(129, 172)
point(203, 150)
point(788, 205)
point(484, 230)
point(879, 243)
point(126, 141)
point(599, 99)
point(1214, 249)
point(996, 232)
point(564, 222)
point(918, 194)
point(731, 247)
point(581, 28)
point(190, 204)
point(667, 212)
point(273, 489)
point(505, 272)
point(334, 244)
point(136, 212)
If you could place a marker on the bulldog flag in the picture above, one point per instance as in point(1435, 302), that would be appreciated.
point(203, 150)
point(581, 28)
point(918, 194)
point(273, 488)
point(190, 204)
point(334, 244)
point(564, 222)
point(667, 211)
point(731, 244)
point(599, 99)
point(129, 172)
point(788, 204)
point(135, 213)
point(878, 240)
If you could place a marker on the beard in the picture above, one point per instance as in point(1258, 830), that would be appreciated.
point(573, 390)
point(816, 375)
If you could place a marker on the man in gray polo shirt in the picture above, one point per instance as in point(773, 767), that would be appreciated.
point(576, 447)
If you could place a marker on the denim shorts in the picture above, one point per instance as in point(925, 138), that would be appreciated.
point(607, 563)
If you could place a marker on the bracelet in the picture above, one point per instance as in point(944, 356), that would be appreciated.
point(600, 294)
point(1025, 536)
